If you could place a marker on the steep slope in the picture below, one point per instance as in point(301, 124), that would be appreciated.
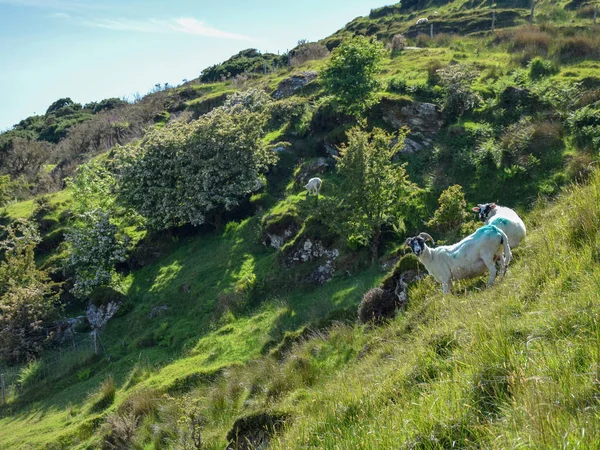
point(221, 335)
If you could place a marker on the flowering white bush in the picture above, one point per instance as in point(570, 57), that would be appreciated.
point(96, 246)
point(193, 172)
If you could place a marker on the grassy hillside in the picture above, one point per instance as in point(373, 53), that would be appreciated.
point(225, 337)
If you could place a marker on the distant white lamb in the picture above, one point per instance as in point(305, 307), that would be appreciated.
point(469, 258)
point(505, 219)
point(422, 21)
point(313, 186)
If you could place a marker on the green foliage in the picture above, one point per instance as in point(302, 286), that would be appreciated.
point(28, 301)
point(585, 127)
point(458, 79)
point(350, 75)
point(92, 188)
point(250, 60)
point(451, 212)
point(539, 68)
point(96, 245)
point(372, 191)
point(193, 172)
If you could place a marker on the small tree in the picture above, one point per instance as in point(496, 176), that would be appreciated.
point(457, 79)
point(451, 213)
point(350, 74)
point(28, 301)
point(373, 190)
point(96, 246)
point(193, 172)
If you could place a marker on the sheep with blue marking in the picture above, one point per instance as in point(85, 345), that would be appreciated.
point(505, 219)
point(469, 258)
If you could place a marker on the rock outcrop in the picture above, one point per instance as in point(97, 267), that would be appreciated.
point(290, 85)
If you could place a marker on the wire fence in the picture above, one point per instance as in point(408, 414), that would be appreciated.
point(74, 353)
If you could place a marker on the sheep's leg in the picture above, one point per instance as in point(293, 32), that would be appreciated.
point(447, 287)
point(491, 265)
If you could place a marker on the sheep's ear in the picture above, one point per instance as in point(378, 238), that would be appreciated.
point(427, 237)
point(406, 243)
point(493, 205)
point(476, 209)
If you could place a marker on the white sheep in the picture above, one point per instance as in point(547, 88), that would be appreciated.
point(422, 21)
point(313, 186)
point(505, 219)
point(468, 258)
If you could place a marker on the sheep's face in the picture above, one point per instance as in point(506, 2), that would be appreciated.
point(416, 244)
point(484, 210)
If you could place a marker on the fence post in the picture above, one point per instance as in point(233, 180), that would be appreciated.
point(431, 31)
point(595, 14)
point(532, 10)
point(95, 332)
point(493, 20)
point(3, 388)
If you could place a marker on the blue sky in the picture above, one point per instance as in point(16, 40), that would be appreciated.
point(94, 49)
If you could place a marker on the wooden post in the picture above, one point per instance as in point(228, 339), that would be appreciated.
point(532, 11)
point(95, 341)
point(493, 20)
point(431, 31)
point(3, 388)
point(595, 14)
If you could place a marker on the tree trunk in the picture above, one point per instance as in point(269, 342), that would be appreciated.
point(375, 246)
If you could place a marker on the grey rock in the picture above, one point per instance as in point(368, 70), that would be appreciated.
point(157, 311)
point(290, 85)
point(98, 316)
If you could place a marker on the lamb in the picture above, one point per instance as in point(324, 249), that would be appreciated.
point(313, 186)
point(468, 258)
point(422, 21)
point(505, 219)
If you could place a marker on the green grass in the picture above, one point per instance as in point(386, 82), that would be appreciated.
point(24, 209)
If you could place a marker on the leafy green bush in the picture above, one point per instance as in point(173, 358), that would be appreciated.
point(28, 300)
point(194, 172)
point(96, 245)
point(373, 191)
point(457, 79)
point(539, 68)
point(350, 74)
point(451, 212)
point(398, 85)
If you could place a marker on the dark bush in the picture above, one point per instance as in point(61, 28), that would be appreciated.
point(398, 85)
point(539, 68)
point(377, 306)
point(51, 241)
point(578, 48)
point(253, 431)
point(104, 295)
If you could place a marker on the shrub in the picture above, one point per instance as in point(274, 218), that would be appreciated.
point(457, 79)
point(377, 306)
point(397, 43)
point(539, 68)
point(577, 48)
point(28, 298)
point(350, 75)
point(531, 40)
point(194, 172)
point(398, 85)
point(451, 213)
point(307, 51)
point(119, 431)
point(96, 245)
point(104, 295)
point(585, 127)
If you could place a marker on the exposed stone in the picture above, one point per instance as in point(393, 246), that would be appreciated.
point(311, 169)
point(322, 274)
point(310, 250)
point(411, 146)
point(276, 241)
point(98, 316)
point(424, 117)
point(157, 311)
point(290, 85)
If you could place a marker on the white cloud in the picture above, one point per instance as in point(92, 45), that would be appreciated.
point(190, 25)
point(186, 25)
